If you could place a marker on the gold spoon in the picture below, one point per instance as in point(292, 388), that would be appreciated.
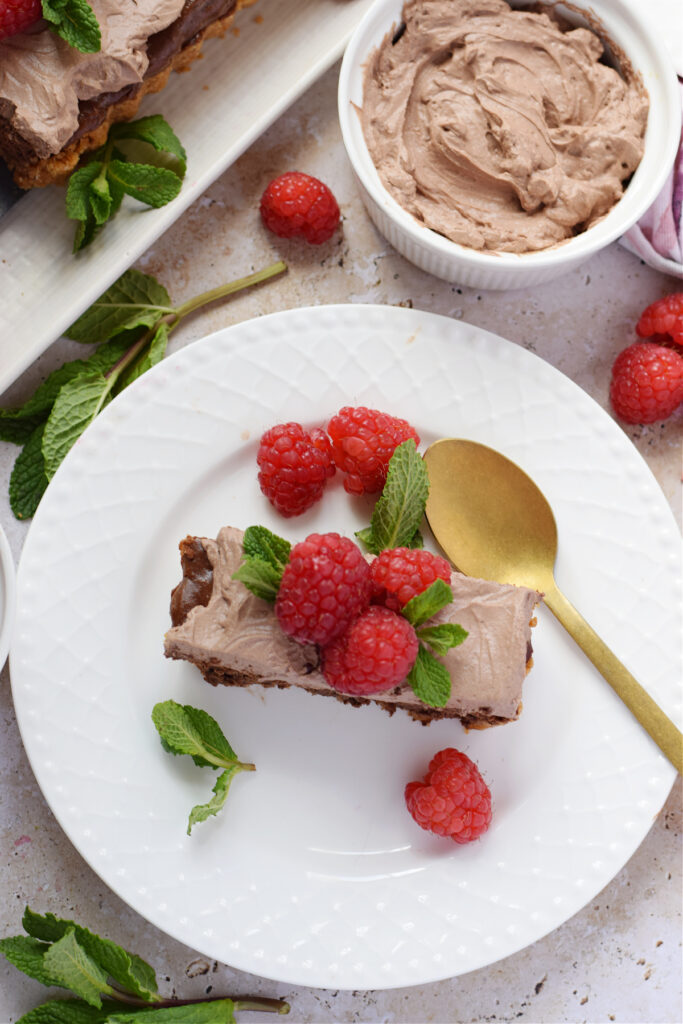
point(493, 522)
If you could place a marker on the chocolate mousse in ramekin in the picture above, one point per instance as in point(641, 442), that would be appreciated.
point(499, 145)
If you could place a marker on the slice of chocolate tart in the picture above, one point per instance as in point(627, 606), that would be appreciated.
point(234, 639)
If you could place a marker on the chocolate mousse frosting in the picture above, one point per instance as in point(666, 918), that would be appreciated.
point(43, 79)
point(234, 638)
point(498, 128)
point(57, 103)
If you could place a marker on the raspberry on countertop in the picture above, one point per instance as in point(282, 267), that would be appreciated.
point(647, 382)
point(296, 204)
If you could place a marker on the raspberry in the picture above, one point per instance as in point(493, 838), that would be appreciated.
point(294, 465)
point(376, 653)
point(663, 319)
point(399, 574)
point(363, 441)
point(453, 800)
point(647, 382)
point(297, 204)
point(325, 585)
point(18, 15)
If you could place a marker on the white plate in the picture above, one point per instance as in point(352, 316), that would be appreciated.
point(314, 873)
point(224, 104)
point(7, 596)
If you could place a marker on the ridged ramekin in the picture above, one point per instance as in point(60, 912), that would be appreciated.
point(624, 26)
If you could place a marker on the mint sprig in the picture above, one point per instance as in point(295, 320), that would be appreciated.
point(59, 952)
point(423, 606)
point(184, 729)
point(74, 21)
point(143, 159)
point(265, 557)
point(430, 679)
point(130, 325)
point(399, 511)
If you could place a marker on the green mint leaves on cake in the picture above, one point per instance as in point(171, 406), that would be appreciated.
point(396, 521)
point(265, 557)
point(129, 327)
point(110, 984)
point(187, 730)
point(143, 159)
point(400, 508)
point(74, 21)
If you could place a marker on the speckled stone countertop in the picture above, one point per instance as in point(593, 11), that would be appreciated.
point(619, 959)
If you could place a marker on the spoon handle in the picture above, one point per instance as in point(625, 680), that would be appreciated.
point(662, 730)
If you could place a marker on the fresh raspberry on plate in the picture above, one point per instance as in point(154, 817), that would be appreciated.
point(294, 466)
point(325, 585)
point(663, 319)
point(452, 800)
point(297, 204)
point(647, 382)
point(363, 441)
point(18, 15)
point(375, 653)
point(400, 574)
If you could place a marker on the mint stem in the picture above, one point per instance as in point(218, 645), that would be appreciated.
point(228, 289)
point(173, 318)
point(264, 1003)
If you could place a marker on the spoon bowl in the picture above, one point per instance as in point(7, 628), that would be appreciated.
point(493, 522)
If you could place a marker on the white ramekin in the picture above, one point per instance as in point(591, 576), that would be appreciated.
point(626, 27)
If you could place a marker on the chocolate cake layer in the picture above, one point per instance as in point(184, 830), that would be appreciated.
point(234, 639)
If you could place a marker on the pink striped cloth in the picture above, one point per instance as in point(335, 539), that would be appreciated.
point(658, 236)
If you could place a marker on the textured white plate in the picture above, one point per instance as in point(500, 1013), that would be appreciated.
point(229, 98)
point(314, 873)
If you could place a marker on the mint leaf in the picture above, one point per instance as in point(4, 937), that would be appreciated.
point(153, 131)
point(68, 1011)
point(398, 512)
point(215, 1011)
point(154, 186)
point(187, 730)
point(78, 190)
point(150, 356)
point(100, 200)
point(37, 407)
point(130, 971)
point(17, 429)
point(134, 300)
point(423, 606)
point(84, 233)
point(260, 542)
point(75, 22)
point(220, 790)
point(430, 679)
point(77, 404)
point(69, 964)
point(443, 637)
point(28, 480)
point(28, 955)
point(260, 577)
